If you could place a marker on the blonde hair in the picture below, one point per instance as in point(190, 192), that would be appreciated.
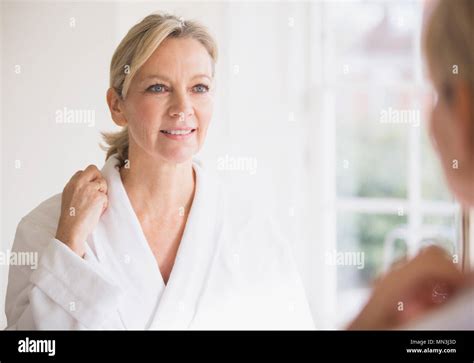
point(448, 41)
point(135, 49)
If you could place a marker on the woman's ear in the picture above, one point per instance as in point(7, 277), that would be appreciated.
point(116, 107)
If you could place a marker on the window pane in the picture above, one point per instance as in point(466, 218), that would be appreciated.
point(442, 231)
point(360, 240)
point(371, 39)
point(371, 154)
point(366, 233)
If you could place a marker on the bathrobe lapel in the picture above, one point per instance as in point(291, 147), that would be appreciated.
point(190, 272)
point(121, 248)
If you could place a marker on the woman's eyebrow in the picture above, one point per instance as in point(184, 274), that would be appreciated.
point(156, 76)
point(202, 75)
point(166, 79)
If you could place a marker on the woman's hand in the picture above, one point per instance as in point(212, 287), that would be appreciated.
point(408, 291)
point(83, 201)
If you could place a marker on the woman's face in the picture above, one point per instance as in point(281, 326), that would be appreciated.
point(169, 104)
point(452, 130)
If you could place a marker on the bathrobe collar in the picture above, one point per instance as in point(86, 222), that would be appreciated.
point(135, 268)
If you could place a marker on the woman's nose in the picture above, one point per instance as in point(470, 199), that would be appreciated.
point(181, 107)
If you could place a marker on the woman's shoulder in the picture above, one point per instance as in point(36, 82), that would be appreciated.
point(44, 216)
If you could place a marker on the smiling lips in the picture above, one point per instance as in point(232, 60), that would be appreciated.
point(178, 133)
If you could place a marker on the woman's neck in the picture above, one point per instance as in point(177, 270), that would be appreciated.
point(158, 188)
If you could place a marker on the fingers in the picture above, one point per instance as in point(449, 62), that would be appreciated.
point(101, 185)
point(98, 187)
point(88, 174)
point(431, 267)
point(423, 282)
point(434, 263)
point(431, 263)
point(426, 280)
point(91, 174)
point(105, 205)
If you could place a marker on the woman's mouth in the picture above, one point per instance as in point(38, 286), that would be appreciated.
point(178, 134)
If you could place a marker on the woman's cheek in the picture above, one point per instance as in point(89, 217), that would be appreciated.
point(444, 133)
point(149, 115)
point(441, 126)
point(204, 111)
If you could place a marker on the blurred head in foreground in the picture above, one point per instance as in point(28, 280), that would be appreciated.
point(448, 46)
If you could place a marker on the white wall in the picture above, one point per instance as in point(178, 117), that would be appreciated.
point(61, 67)
point(261, 110)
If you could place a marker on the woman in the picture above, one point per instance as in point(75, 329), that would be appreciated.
point(406, 294)
point(148, 242)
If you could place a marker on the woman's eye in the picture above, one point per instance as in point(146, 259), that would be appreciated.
point(157, 88)
point(201, 88)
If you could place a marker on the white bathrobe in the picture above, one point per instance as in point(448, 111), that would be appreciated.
point(229, 272)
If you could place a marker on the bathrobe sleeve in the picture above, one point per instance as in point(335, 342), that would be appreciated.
point(64, 291)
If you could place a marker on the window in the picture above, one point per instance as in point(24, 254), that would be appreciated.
point(389, 196)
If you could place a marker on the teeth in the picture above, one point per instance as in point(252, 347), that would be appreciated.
point(177, 132)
